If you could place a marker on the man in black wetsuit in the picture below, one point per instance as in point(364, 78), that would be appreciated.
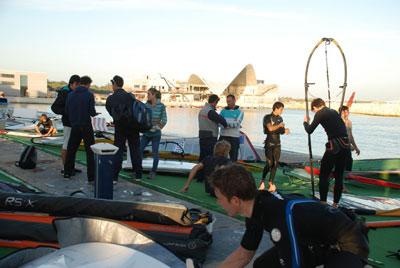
point(337, 147)
point(274, 127)
point(304, 233)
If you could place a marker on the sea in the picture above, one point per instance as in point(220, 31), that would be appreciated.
point(376, 136)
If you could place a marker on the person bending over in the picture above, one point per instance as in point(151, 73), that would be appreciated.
point(304, 232)
point(210, 164)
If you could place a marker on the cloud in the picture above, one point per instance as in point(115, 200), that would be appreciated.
point(172, 5)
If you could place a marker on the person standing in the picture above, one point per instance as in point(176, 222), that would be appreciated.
point(234, 117)
point(153, 135)
point(208, 126)
point(80, 107)
point(58, 107)
point(303, 232)
point(119, 106)
point(344, 113)
point(337, 147)
point(274, 127)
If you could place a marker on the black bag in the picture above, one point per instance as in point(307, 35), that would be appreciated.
point(28, 158)
point(142, 115)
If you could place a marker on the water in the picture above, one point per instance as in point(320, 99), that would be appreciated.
point(377, 137)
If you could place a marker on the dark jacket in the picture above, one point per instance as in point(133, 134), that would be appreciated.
point(80, 107)
point(119, 106)
point(58, 106)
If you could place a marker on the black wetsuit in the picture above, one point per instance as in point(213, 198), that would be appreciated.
point(315, 234)
point(272, 145)
point(337, 148)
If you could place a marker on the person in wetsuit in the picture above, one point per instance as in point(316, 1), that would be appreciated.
point(304, 232)
point(274, 128)
point(337, 147)
point(344, 113)
point(209, 164)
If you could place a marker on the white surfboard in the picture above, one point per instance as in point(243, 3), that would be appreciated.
point(169, 166)
point(94, 255)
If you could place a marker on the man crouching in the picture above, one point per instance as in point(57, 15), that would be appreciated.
point(305, 233)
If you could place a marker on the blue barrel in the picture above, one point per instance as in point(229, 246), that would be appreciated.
point(104, 172)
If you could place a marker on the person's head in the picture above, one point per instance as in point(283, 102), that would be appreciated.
point(317, 104)
point(74, 81)
point(222, 148)
point(277, 108)
point(231, 101)
point(43, 118)
point(344, 111)
point(117, 82)
point(233, 184)
point(213, 100)
point(85, 81)
point(2, 94)
point(152, 94)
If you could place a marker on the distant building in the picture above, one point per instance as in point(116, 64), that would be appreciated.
point(23, 84)
point(250, 91)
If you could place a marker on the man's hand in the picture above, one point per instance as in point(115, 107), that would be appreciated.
point(306, 118)
point(357, 151)
point(287, 131)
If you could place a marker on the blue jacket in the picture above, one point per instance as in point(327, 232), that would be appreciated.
point(80, 107)
point(234, 118)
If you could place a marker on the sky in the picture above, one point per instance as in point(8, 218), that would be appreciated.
point(214, 39)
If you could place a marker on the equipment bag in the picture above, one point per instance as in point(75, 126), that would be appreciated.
point(142, 115)
point(28, 158)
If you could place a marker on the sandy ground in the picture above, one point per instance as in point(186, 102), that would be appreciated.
point(46, 176)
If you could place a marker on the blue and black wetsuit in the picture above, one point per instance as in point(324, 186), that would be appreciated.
point(337, 148)
point(305, 233)
point(272, 145)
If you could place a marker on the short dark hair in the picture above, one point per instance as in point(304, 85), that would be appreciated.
point(343, 108)
point(277, 105)
point(234, 180)
point(213, 98)
point(231, 96)
point(85, 80)
point(118, 80)
point(74, 79)
point(317, 103)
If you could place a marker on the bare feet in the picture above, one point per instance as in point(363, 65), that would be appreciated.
point(262, 186)
point(272, 187)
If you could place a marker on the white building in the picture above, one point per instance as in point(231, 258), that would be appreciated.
point(23, 84)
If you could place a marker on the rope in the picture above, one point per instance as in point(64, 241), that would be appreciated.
point(327, 42)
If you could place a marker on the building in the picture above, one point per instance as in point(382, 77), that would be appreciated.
point(23, 84)
point(249, 91)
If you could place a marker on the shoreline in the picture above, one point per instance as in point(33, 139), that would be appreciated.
point(370, 108)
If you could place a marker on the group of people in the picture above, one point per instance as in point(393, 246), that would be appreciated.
point(76, 103)
point(305, 233)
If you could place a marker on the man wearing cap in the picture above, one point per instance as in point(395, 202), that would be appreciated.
point(208, 126)
point(119, 106)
